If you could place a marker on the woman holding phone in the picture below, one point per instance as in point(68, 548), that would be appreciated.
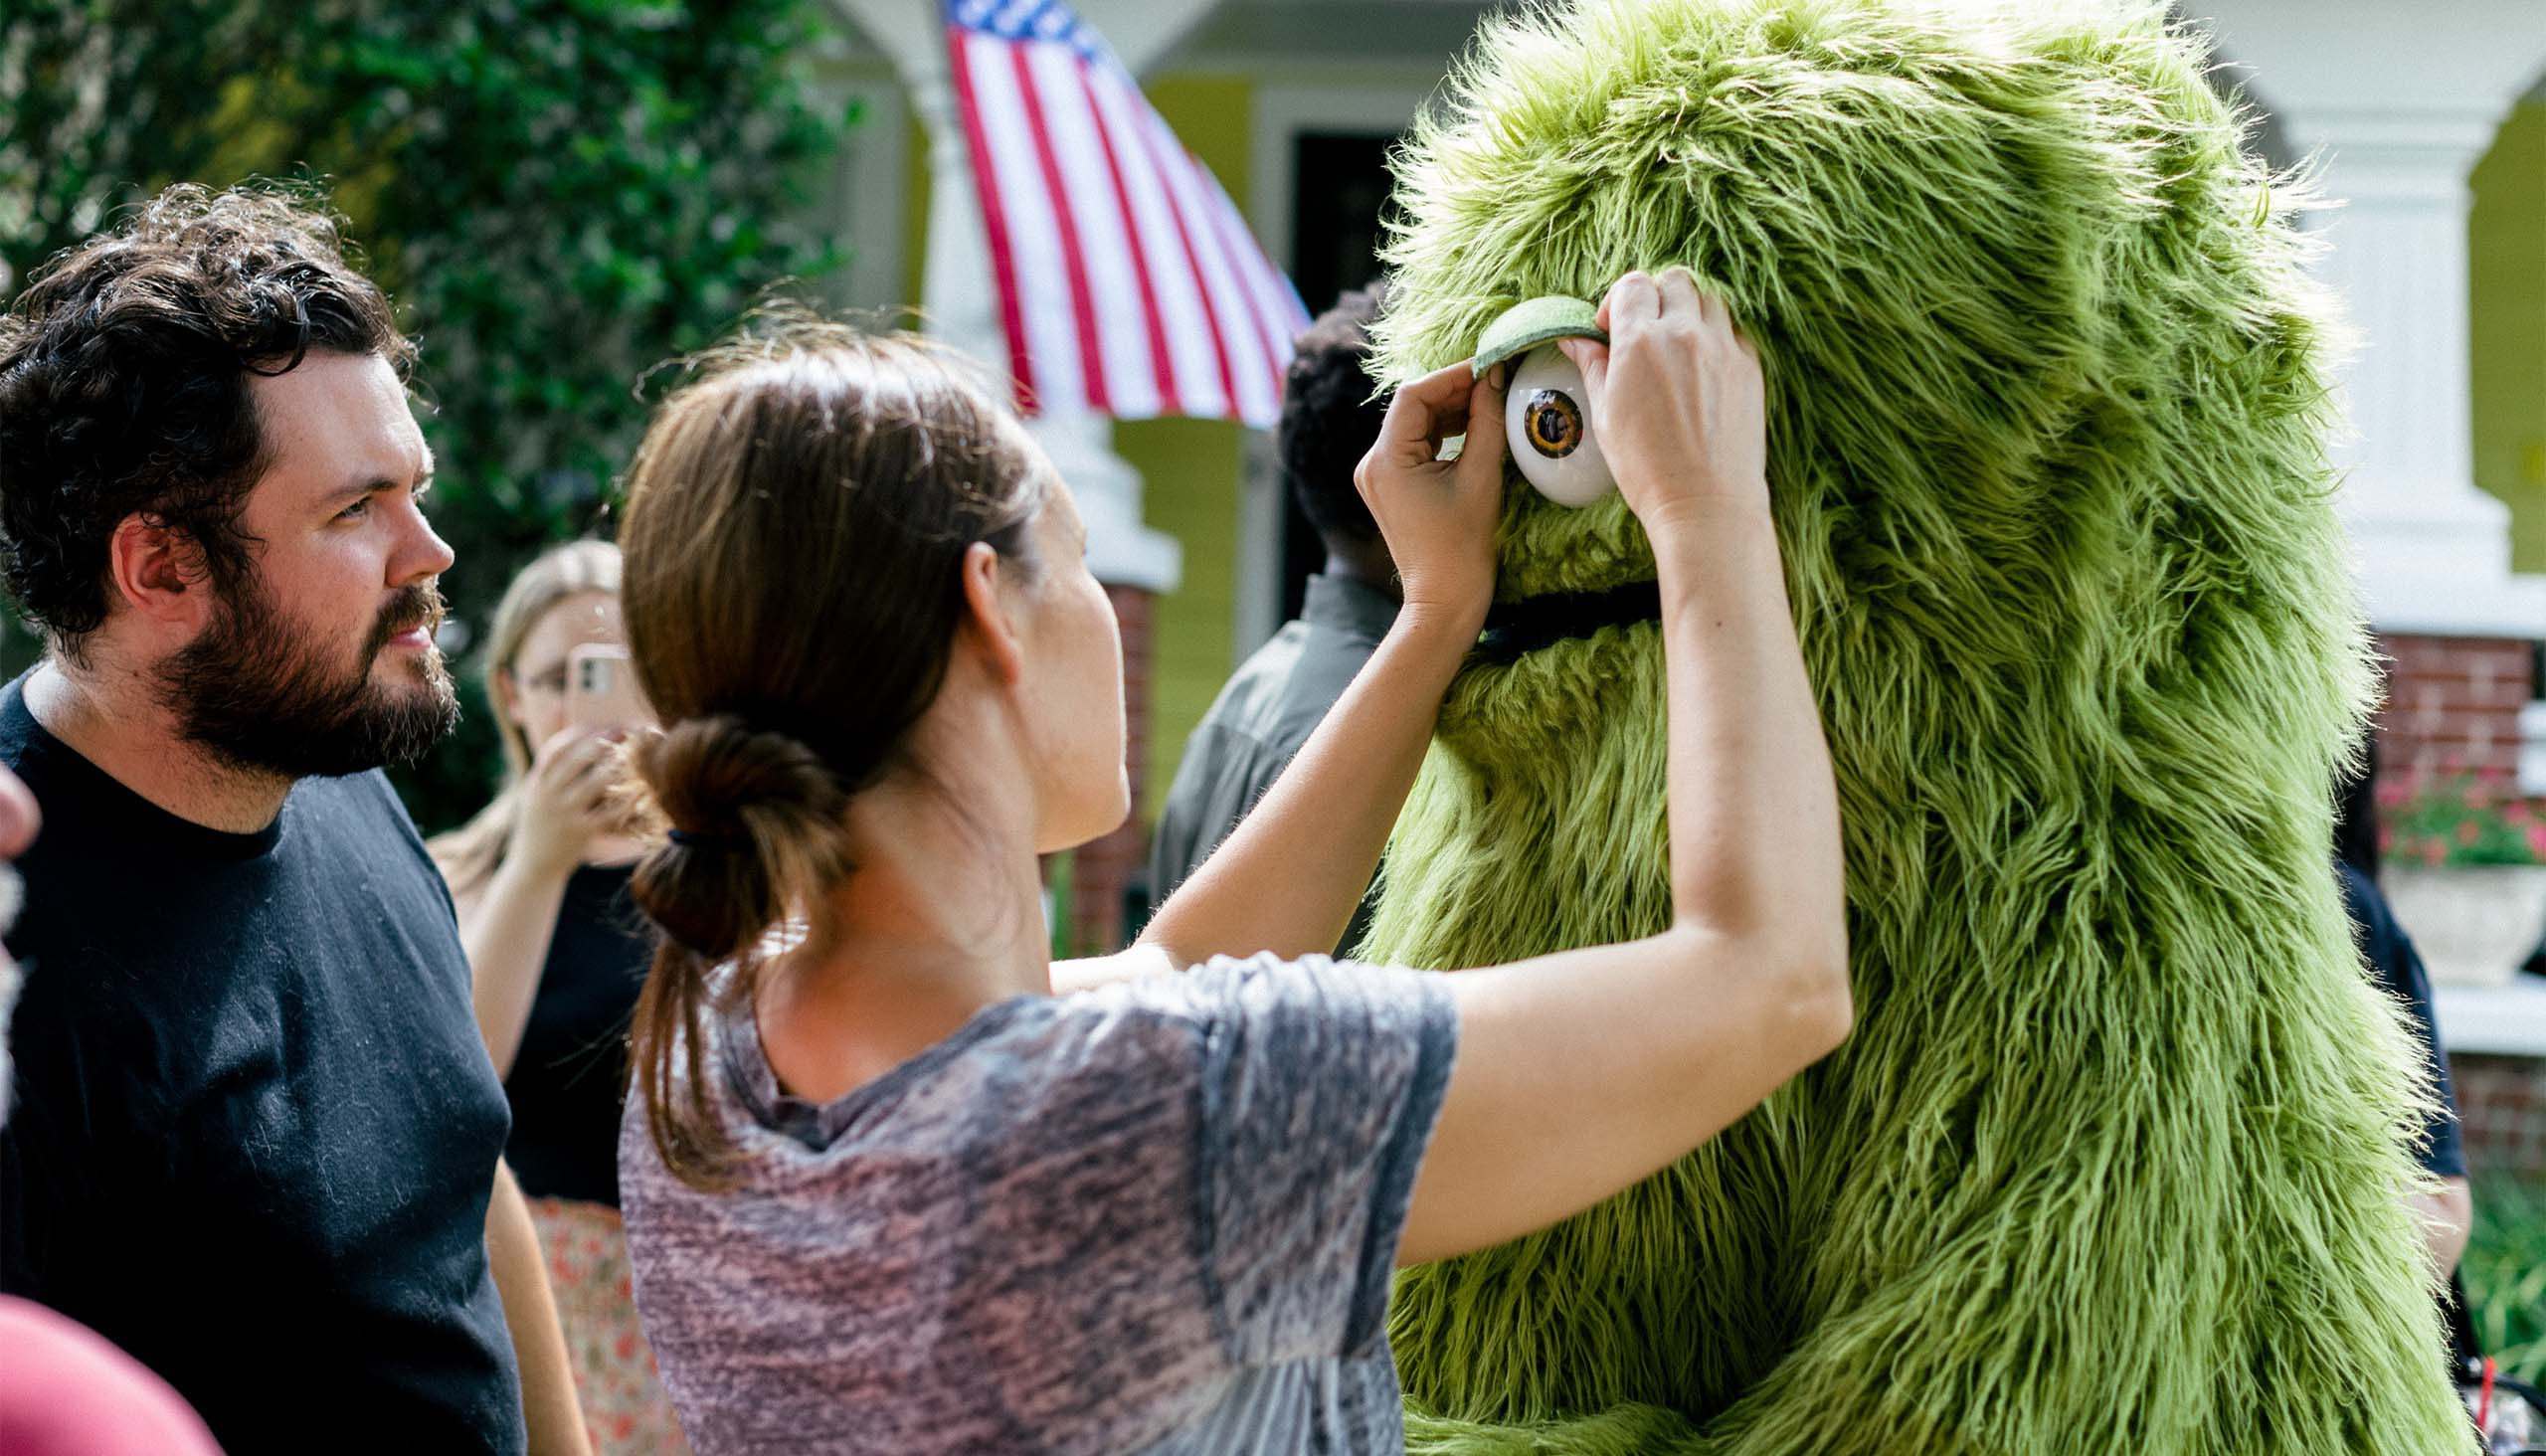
point(558, 952)
point(897, 1183)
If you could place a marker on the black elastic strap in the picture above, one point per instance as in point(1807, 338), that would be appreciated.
point(1515, 628)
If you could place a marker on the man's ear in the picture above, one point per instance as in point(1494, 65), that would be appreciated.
point(986, 617)
point(159, 572)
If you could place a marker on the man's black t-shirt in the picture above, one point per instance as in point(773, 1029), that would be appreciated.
point(254, 1129)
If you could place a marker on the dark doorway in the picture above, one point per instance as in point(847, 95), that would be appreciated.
point(1339, 189)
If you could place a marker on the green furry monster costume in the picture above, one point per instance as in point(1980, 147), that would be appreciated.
point(2114, 1159)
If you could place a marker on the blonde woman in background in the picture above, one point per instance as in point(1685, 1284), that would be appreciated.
point(558, 956)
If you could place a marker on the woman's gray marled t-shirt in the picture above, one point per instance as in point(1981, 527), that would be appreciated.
point(1157, 1217)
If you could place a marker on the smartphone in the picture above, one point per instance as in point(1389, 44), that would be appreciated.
point(601, 690)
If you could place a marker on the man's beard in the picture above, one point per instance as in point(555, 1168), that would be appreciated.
point(258, 696)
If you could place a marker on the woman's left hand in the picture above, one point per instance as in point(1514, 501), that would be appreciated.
point(1437, 515)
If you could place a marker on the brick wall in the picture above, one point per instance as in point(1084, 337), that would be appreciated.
point(2452, 714)
point(1100, 870)
point(2502, 1112)
point(2452, 711)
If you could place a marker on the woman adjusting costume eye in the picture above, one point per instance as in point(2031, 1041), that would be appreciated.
point(1545, 421)
point(851, 939)
point(1546, 416)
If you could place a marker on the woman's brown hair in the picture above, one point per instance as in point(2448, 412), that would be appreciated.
point(796, 524)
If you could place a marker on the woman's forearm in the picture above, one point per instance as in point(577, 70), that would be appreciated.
point(2444, 1213)
point(1580, 1072)
point(551, 1415)
point(1288, 878)
point(507, 929)
point(1754, 815)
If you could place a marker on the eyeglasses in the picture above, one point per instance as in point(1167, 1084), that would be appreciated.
point(551, 681)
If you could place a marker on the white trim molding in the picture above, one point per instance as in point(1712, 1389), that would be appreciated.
point(2397, 103)
point(868, 200)
point(1290, 103)
point(2498, 1020)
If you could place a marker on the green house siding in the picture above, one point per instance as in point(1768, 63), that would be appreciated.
point(1189, 489)
point(915, 214)
point(2506, 284)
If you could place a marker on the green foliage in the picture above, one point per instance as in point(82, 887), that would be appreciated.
point(2505, 1272)
point(2465, 821)
point(558, 194)
point(1059, 875)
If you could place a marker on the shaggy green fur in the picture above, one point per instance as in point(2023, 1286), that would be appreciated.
point(2113, 1160)
point(1524, 326)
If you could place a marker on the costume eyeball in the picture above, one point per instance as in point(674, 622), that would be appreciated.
point(1546, 422)
point(1546, 412)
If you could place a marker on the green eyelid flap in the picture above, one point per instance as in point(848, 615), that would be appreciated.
point(1523, 326)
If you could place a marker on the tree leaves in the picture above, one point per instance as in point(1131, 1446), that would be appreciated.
point(557, 194)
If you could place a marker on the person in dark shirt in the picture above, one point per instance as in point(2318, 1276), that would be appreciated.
point(63, 1391)
point(558, 954)
point(2445, 1210)
point(2397, 968)
point(1278, 696)
point(255, 1139)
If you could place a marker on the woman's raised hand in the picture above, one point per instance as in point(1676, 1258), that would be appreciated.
point(1677, 399)
point(566, 801)
point(1438, 515)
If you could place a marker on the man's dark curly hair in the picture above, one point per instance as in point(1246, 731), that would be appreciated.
point(124, 368)
point(1328, 419)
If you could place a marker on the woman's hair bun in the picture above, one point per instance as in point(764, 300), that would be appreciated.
point(758, 827)
point(794, 529)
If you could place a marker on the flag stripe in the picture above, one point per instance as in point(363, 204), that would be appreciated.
point(1073, 263)
point(1202, 376)
point(1205, 286)
point(1043, 273)
point(1129, 282)
point(1236, 322)
point(1021, 360)
point(1271, 329)
point(1161, 366)
point(1115, 287)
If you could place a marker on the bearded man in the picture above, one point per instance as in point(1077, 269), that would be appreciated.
point(255, 1136)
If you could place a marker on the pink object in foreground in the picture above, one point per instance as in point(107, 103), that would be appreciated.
point(66, 1391)
point(1128, 282)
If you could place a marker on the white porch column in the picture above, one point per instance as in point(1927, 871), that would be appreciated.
point(2401, 101)
point(959, 296)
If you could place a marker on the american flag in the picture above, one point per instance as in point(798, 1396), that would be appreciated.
point(1128, 282)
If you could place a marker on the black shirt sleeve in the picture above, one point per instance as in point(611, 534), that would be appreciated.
point(2396, 969)
point(66, 1180)
point(1222, 776)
